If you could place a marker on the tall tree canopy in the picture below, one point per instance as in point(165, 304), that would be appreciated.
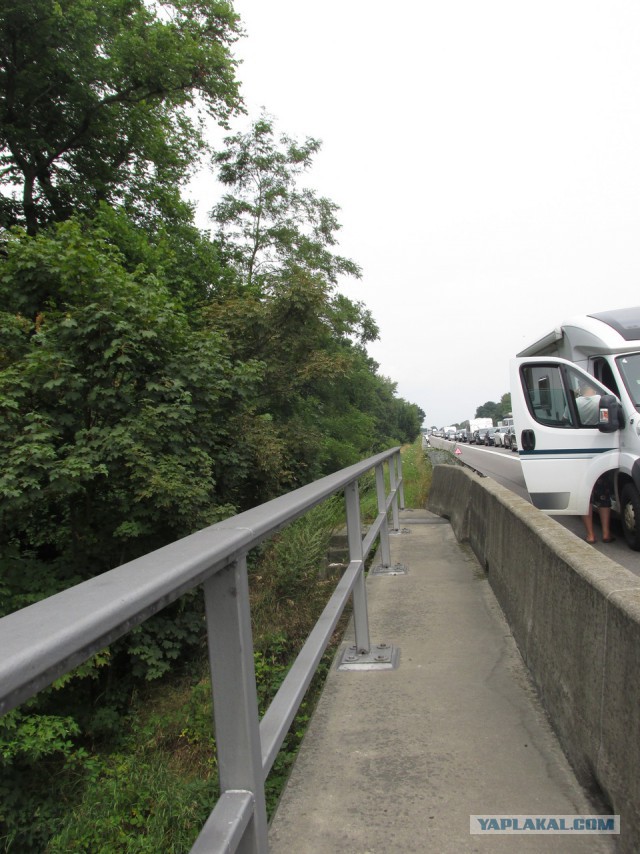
point(320, 391)
point(496, 411)
point(95, 99)
point(269, 224)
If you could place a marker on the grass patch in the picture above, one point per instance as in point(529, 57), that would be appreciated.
point(416, 473)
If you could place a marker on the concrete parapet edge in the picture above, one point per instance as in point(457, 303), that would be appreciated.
point(575, 616)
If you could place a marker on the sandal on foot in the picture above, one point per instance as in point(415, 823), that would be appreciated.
point(608, 539)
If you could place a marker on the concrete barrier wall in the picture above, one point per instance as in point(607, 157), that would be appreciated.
point(575, 616)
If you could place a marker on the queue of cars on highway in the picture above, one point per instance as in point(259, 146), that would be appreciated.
point(499, 437)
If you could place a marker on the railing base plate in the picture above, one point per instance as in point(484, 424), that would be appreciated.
point(396, 569)
point(383, 656)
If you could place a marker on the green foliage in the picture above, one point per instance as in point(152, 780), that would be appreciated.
point(136, 804)
point(416, 474)
point(271, 663)
point(280, 239)
point(281, 768)
point(268, 225)
point(496, 411)
point(35, 749)
point(290, 584)
point(31, 737)
point(290, 588)
point(305, 368)
point(117, 416)
point(154, 792)
point(295, 557)
point(156, 644)
point(326, 399)
point(153, 382)
point(97, 97)
point(172, 250)
point(152, 789)
point(114, 408)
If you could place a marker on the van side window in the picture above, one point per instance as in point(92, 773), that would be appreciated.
point(562, 397)
point(585, 393)
point(546, 396)
point(602, 371)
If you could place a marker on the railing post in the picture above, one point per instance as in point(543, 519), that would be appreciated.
point(354, 537)
point(235, 702)
point(385, 547)
point(400, 479)
point(393, 484)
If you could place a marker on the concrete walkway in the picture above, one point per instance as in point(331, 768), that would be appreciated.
point(397, 761)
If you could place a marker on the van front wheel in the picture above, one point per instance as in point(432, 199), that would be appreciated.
point(630, 501)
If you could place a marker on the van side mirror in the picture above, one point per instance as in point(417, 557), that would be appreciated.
point(611, 414)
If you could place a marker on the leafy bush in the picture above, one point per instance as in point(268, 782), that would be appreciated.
point(34, 751)
point(113, 408)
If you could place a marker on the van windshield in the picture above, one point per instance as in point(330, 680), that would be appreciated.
point(629, 367)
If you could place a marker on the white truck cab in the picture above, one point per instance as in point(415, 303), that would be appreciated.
point(567, 441)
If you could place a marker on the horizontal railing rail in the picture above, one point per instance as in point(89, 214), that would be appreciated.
point(46, 640)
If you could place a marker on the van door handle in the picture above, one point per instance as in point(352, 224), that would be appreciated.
point(528, 440)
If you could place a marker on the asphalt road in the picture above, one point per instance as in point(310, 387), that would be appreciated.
point(504, 467)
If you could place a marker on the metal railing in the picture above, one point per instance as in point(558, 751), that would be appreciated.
point(48, 639)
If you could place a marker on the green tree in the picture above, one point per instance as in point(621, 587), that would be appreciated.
point(321, 397)
point(116, 413)
point(302, 335)
point(496, 411)
point(172, 249)
point(487, 410)
point(97, 97)
point(119, 419)
point(504, 407)
point(268, 224)
point(280, 240)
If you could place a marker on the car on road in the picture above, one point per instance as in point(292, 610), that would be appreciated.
point(480, 434)
point(450, 435)
point(510, 439)
point(488, 436)
point(462, 436)
point(498, 436)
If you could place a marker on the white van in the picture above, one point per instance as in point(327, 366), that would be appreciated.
point(563, 452)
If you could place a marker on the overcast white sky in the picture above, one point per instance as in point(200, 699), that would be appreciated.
point(485, 155)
